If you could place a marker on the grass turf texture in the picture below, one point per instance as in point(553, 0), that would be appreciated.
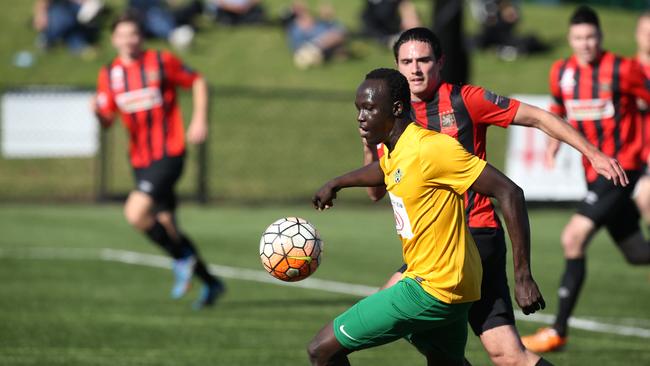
point(75, 312)
point(271, 124)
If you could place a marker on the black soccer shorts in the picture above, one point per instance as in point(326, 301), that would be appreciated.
point(158, 181)
point(612, 206)
point(494, 309)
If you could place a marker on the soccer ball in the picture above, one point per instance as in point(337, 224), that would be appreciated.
point(290, 249)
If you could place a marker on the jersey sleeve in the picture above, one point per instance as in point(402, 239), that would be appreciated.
point(633, 80)
point(445, 162)
point(176, 72)
point(487, 107)
point(105, 99)
point(557, 102)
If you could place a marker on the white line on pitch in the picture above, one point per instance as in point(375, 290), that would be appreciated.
point(152, 260)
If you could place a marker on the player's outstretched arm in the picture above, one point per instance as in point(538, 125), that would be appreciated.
point(495, 184)
point(197, 131)
point(552, 125)
point(370, 155)
point(370, 175)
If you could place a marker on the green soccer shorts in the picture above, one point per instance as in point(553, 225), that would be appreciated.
point(405, 310)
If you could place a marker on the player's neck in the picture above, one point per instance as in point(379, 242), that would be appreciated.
point(127, 58)
point(397, 131)
point(643, 57)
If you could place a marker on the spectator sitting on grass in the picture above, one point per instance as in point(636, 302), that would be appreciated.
point(160, 20)
point(70, 21)
point(236, 12)
point(312, 39)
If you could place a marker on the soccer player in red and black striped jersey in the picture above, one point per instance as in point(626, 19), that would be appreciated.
point(642, 189)
point(596, 91)
point(140, 85)
point(465, 112)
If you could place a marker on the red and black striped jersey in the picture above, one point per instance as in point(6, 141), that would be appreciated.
point(144, 94)
point(644, 108)
point(599, 100)
point(464, 112)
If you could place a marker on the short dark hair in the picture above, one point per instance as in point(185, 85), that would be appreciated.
point(127, 17)
point(397, 84)
point(585, 15)
point(419, 34)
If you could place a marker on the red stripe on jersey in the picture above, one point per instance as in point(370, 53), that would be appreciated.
point(645, 116)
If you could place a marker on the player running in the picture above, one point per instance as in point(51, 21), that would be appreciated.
point(596, 91)
point(465, 112)
point(140, 85)
point(426, 174)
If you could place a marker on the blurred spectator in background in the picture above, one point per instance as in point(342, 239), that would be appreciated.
point(236, 12)
point(314, 39)
point(384, 20)
point(167, 19)
point(498, 19)
point(70, 21)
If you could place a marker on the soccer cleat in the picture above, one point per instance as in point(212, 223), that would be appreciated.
point(183, 270)
point(209, 295)
point(544, 340)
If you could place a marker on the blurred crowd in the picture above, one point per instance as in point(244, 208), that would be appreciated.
point(314, 35)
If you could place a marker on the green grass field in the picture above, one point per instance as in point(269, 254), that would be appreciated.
point(57, 310)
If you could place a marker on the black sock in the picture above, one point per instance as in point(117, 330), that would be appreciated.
point(543, 362)
point(572, 280)
point(200, 269)
point(635, 249)
point(159, 235)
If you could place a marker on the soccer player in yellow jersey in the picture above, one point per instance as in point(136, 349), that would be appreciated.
point(426, 174)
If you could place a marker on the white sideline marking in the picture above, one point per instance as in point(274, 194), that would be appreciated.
point(152, 260)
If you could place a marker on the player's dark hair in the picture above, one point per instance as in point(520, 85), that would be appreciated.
point(398, 86)
point(419, 34)
point(127, 17)
point(585, 15)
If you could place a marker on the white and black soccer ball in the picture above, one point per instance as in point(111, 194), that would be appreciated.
point(290, 249)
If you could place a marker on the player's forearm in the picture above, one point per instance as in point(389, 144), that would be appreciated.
point(370, 175)
point(200, 99)
point(369, 156)
point(515, 214)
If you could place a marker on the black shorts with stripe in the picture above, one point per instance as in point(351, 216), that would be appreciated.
point(494, 309)
point(158, 181)
point(612, 206)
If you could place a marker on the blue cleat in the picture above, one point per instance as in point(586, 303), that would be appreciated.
point(183, 271)
point(209, 295)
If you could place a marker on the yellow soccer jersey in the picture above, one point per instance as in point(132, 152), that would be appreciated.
point(426, 175)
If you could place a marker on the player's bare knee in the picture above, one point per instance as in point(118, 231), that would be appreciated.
point(572, 242)
point(137, 217)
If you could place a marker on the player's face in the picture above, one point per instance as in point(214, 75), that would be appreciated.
point(127, 39)
point(643, 35)
point(416, 61)
point(374, 108)
point(584, 40)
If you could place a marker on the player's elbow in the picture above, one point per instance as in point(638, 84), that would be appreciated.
point(376, 193)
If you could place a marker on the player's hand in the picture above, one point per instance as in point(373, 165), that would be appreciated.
point(528, 296)
point(322, 200)
point(197, 132)
point(609, 168)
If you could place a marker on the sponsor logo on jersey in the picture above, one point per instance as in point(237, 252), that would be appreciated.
point(589, 109)
point(139, 100)
point(402, 222)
